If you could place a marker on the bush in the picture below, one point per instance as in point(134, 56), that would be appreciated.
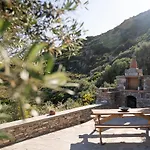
point(88, 98)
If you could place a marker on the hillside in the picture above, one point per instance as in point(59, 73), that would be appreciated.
point(113, 50)
point(101, 59)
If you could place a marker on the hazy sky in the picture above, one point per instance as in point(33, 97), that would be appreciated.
point(103, 15)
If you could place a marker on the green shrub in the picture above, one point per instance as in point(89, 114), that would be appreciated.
point(88, 98)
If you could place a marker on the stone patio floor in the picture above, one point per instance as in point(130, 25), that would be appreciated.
point(82, 137)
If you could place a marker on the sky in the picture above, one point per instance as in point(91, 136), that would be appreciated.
point(103, 15)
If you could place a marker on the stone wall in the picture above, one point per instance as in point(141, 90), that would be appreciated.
point(115, 99)
point(146, 83)
point(142, 97)
point(121, 82)
point(32, 127)
point(106, 97)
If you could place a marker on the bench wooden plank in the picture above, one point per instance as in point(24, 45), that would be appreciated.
point(147, 117)
point(116, 111)
point(122, 126)
point(102, 116)
point(110, 117)
point(125, 115)
point(95, 118)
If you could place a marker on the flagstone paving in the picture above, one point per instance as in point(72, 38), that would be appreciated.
point(82, 137)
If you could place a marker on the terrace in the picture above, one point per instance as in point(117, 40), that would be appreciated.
point(80, 136)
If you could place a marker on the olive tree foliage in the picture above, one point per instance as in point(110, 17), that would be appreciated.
point(39, 20)
point(32, 33)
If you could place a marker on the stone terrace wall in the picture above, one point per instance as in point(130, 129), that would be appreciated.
point(142, 97)
point(32, 127)
point(107, 97)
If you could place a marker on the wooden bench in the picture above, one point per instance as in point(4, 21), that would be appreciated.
point(101, 126)
point(126, 115)
point(104, 115)
point(122, 126)
point(95, 118)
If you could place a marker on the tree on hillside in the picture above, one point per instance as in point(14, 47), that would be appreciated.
point(143, 57)
point(111, 71)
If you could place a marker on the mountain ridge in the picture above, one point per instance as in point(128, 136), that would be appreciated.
point(113, 49)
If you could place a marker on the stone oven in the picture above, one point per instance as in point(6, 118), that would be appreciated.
point(133, 89)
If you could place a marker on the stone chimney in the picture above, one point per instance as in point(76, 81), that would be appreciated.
point(133, 63)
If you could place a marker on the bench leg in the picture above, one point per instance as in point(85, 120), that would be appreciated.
point(147, 132)
point(100, 137)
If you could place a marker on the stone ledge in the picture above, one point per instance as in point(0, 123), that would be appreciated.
point(36, 126)
point(43, 117)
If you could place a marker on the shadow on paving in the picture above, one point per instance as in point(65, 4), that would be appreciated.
point(86, 145)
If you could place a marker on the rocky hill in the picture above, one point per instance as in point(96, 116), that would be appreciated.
point(108, 54)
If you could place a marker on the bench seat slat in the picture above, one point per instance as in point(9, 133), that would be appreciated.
point(103, 116)
point(122, 126)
